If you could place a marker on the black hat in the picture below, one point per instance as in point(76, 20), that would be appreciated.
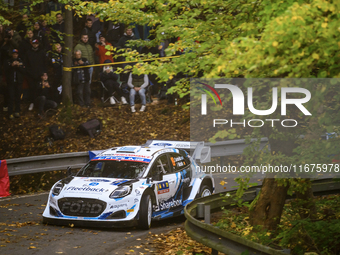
point(107, 61)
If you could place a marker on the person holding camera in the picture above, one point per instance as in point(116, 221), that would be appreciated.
point(43, 93)
point(11, 41)
point(101, 50)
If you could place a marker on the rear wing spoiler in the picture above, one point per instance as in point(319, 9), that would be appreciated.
point(197, 150)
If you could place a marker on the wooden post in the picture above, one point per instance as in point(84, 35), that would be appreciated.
point(68, 48)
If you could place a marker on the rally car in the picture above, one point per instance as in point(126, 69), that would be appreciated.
point(131, 185)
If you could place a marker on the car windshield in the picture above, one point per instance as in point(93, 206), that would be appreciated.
point(113, 169)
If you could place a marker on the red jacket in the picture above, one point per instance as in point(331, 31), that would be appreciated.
point(101, 53)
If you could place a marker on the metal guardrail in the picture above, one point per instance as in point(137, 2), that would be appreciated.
point(45, 163)
point(229, 243)
point(53, 162)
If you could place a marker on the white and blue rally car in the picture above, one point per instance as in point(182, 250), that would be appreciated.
point(131, 185)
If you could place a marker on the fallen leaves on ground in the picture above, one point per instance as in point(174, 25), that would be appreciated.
point(177, 242)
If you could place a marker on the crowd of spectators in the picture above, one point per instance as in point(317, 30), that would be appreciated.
point(31, 63)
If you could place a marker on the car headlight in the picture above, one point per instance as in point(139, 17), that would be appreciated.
point(121, 192)
point(57, 188)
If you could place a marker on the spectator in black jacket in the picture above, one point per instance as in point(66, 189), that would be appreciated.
point(39, 34)
point(26, 44)
point(43, 100)
point(58, 29)
point(15, 72)
point(128, 36)
point(114, 33)
point(56, 60)
point(110, 80)
point(36, 64)
point(90, 32)
point(81, 78)
point(23, 26)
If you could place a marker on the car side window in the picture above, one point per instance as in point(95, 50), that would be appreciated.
point(161, 164)
point(178, 162)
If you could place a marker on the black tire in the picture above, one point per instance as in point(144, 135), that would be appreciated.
point(205, 191)
point(145, 212)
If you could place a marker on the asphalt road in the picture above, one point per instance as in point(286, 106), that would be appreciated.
point(22, 231)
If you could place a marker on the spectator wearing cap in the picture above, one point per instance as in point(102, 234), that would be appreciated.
point(36, 63)
point(101, 50)
point(58, 29)
point(81, 78)
point(138, 84)
point(56, 60)
point(43, 100)
point(15, 72)
point(86, 51)
point(110, 81)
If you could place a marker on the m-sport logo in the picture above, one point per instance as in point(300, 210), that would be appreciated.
point(239, 98)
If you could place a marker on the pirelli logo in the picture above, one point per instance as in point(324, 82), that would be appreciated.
point(163, 187)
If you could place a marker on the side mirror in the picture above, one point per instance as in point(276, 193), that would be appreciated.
point(69, 171)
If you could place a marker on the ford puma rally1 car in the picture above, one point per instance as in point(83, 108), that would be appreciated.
point(131, 185)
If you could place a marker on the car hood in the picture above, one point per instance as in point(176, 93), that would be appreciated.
point(92, 187)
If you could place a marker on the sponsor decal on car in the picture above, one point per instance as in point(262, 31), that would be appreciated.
point(129, 155)
point(137, 192)
point(97, 180)
point(86, 189)
point(136, 200)
point(130, 210)
point(162, 144)
point(127, 158)
point(118, 182)
point(163, 187)
point(118, 206)
point(76, 207)
point(167, 205)
point(132, 149)
point(93, 184)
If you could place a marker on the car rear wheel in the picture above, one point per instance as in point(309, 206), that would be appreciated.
point(145, 212)
point(205, 191)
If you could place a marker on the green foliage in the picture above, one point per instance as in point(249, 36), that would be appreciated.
point(300, 235)
point(243, 186)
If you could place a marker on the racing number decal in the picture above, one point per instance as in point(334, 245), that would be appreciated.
point(163, 187)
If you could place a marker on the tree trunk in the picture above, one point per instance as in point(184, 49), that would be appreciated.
point(268, 209)
point(68, 48)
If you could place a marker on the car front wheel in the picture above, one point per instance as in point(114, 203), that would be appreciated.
point(205, 191)
point(145, 212)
